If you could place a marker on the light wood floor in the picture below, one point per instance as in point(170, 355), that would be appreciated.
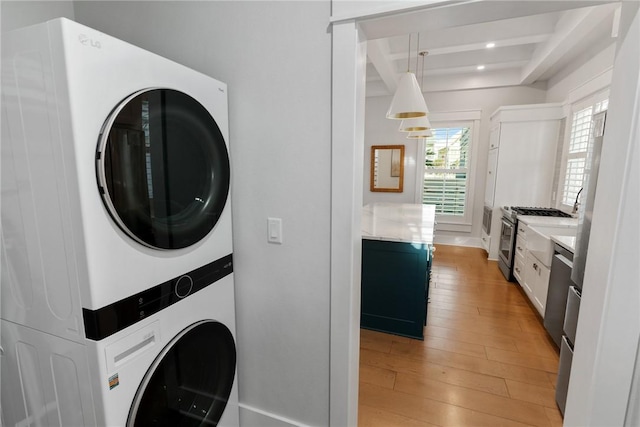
point(486, 359)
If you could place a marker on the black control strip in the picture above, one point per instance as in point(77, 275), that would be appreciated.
point(105, 321)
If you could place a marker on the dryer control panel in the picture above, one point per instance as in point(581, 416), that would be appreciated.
point(108, 320)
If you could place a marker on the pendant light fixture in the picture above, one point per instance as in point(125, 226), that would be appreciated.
point(415, 125)
point(421, 124)
point(408, 101)
point(421, 134)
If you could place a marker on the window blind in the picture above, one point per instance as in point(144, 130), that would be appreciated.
point(576, 159)
point(446, 170)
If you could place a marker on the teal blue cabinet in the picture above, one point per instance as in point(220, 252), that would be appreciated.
point(395, 287)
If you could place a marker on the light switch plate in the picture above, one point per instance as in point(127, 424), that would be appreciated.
point(274, 230)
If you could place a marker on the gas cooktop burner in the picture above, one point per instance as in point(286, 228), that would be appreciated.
point(540, 212)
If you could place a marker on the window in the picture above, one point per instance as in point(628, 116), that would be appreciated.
point(578, 150)
point(445, 173)
point(447, 169)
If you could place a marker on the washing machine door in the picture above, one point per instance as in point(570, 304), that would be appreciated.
point(163, 168)
point(190, 381)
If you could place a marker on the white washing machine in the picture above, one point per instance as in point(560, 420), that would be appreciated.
point(116, 229)
point(176, 367)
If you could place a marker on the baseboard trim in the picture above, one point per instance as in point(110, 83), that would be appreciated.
point(254, 417)
point(472, 242)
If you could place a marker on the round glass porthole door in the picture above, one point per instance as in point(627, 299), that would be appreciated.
point(190, 382)
point(163, 169)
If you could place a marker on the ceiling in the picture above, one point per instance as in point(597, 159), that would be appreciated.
point(533, 40)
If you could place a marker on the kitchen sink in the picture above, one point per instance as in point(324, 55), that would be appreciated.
point(539, 242)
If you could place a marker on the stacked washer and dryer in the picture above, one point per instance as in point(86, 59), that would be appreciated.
point(117, 274)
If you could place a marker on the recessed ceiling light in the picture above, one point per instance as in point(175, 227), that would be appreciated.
point(490, 45)
point(480, 67)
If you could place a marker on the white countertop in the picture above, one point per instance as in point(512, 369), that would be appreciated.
point(567, 242)
point(399, 222)
point(548, 221)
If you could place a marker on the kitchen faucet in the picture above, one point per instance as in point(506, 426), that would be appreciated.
point(577, 203)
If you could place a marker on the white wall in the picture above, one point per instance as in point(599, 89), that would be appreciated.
point(280, 143)
point(18, 14)
point(382, 131)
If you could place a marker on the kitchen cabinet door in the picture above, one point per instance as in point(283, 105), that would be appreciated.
point(494, 137)
point(529, 275)
point(490, 185)
point(395, 278)
point(518, 268)
point(520, 252)
point(542, 287)
point(536, 282)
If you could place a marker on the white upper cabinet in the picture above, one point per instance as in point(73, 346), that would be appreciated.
point(526, 139)
point(521, 161)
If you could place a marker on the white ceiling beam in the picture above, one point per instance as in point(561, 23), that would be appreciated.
point(457, 82)
point(378, 52)
point(488, 31)
point(571, 28)
point(517, 41)
point(512, 66)
point(474, 68)
point(462, 13)
point(538, 38)
point(475, 80)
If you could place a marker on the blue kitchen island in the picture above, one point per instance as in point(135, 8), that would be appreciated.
point(397, 250)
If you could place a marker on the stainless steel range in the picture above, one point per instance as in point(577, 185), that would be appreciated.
point(509, 229)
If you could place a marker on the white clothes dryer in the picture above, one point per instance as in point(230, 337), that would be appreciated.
point(115, 217)
point(115, 175)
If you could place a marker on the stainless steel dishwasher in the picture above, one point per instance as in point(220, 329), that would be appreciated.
point(559, 283)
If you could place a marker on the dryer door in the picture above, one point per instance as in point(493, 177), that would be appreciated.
point(163, 168)
point(190, 381)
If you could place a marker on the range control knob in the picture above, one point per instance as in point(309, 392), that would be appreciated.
point(183, 286)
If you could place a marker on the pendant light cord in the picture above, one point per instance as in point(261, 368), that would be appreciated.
point(423, 54)
point(409, 55)
point(417, 52)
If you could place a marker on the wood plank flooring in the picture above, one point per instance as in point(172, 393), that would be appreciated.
point(486, 359)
